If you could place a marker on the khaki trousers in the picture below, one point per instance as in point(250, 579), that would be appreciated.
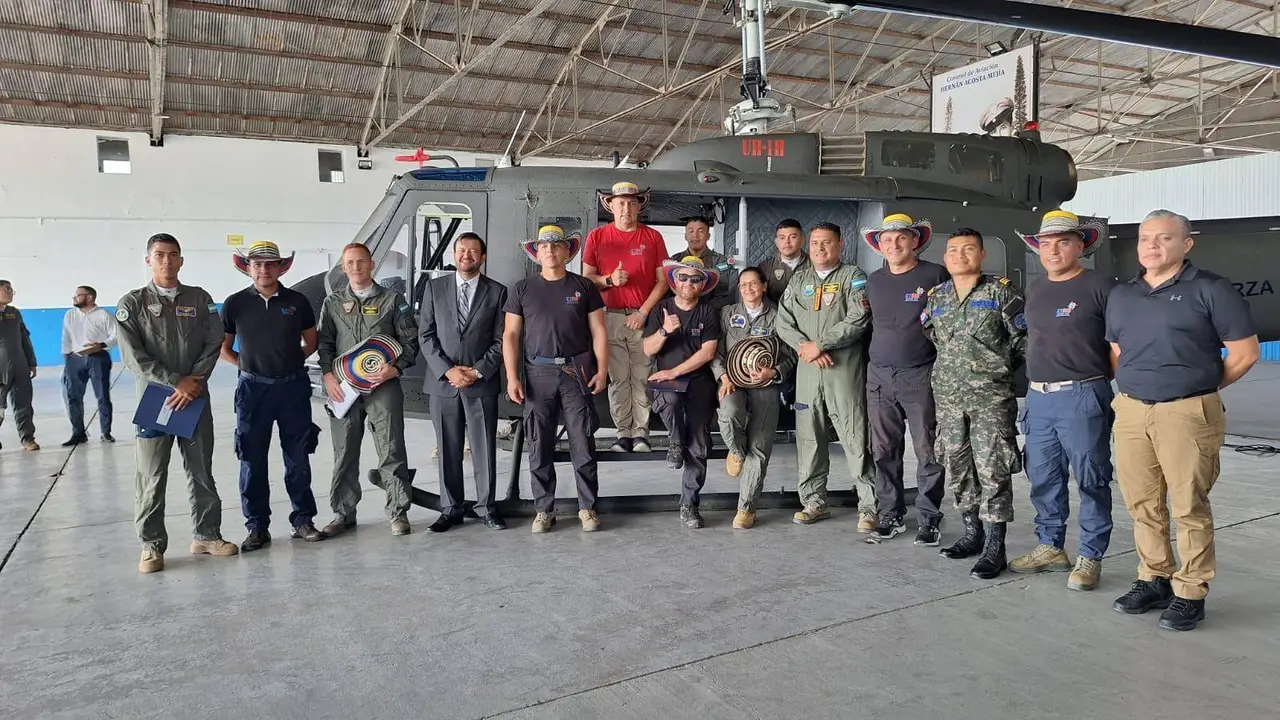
point(1171, 448)
point(629, 400)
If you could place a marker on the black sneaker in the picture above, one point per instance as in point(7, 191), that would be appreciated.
point(928, 534)
point(691, 518)
point(621, 445)
point(886, 528)
point(1182, 615)
point(307, 531)
point(1144, 596)
point(76, 440)
point(257, 540)
point(107, 438)
point(675, 457)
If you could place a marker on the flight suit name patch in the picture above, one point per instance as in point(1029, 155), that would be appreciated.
point(759, 332)
point(369, 309)
point(184, 311)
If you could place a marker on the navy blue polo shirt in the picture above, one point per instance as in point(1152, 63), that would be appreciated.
point(269, 330)
point(1171, 336)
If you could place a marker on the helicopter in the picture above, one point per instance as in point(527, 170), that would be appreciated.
point(752, 178)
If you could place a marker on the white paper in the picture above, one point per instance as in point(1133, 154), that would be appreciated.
point(162, 418)
point(349, 395)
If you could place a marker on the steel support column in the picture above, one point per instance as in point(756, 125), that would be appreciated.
point(157, 40)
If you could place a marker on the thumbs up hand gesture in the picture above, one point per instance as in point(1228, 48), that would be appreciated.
point(618, 276)
point(670, 321)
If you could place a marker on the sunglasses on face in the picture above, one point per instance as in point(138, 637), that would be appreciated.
point(692, 279)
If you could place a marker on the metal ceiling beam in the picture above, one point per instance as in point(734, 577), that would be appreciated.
point(463, 69)
point(157, 39)
point(388, 53)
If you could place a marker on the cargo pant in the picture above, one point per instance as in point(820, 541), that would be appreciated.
point(152, 451)
point(748, 425)
point(847, 414)
point(629, 401)
point(79, 371)
point(978, 447)
point(286, 403)
point(898, 398)
point(688, 417)
point(553, 397)
point(1068, 425)
point(383, 408)
point(1171, 449)
point(17, 391)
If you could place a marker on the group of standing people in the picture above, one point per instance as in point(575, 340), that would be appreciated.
point(916, 345)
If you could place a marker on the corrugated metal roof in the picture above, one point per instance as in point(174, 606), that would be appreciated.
point(308, 69)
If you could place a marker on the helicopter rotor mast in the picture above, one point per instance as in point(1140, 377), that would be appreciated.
point(757, 112)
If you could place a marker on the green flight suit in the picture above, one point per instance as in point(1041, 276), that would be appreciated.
point(981, 339)
point(778, 274)
point(162, 340)
point(345, 322)
point(17, 357)
point(726, 291)
point(834, 313)
point(749, 416)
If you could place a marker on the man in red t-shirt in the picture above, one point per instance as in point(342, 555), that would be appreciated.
point(624, 259)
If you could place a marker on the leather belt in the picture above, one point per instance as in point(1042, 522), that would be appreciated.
point(1202, 393)
point(550, 361)
point(1053, 387)
point(624, 311)
point(267, 380)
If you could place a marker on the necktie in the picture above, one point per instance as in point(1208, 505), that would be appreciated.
point(464, 304)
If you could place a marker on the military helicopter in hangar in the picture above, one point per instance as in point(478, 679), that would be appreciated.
point(754, 176)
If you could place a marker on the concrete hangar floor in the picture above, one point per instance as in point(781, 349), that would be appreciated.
point(643, 620)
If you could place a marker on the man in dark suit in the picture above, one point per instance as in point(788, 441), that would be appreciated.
point(461, 326)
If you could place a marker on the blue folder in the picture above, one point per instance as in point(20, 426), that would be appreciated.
point(151, 411)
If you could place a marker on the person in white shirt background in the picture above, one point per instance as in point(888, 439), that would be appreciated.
point(88, 331)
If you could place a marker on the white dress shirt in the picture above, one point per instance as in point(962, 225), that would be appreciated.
point(85, 328)
point(474, 284)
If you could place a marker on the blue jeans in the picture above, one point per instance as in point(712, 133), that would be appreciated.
point(260, 403)
point(77, 373)
point(1071, 428)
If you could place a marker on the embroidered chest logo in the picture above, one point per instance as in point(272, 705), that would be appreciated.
point(777, 274)
point(185, 311)
point(914, 296)
point(828, 295)
point(638, 250)
point(1066, 311)
point(738, 321)
point(288, 310)
point(696, 331)
point(573, 299)
point(1175, 298)
point(348, 306)
point(154, 309)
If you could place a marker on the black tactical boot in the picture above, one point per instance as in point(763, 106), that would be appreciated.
point(993, 560)
point(970, 543)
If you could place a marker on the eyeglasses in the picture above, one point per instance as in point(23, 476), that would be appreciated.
point(692, 279)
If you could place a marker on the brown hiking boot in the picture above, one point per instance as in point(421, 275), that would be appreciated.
point(733, 465)
point(218, 548)
point(744, 519)
point(30, 445)
point(811, 514)
point(544, 522)
point(400, 526)
point(1086, 575)
point(866, 522)
point(1045, 558)
point(590, 522)
point(151, 561)
point(337, 526)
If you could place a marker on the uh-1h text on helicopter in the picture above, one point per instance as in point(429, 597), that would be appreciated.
point(754, 177)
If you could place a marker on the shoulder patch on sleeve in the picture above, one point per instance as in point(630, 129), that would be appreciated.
point(857, 283)
point(213, 307)
point(403, 306)
point(1020, 321)
point(722, 267)
point(122, 314)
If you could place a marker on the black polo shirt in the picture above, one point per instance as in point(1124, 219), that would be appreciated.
point(1066, 328)
point(555, 314)
point(697, 326)
point(269, 330)
point(1171, 336)
point(897, 338)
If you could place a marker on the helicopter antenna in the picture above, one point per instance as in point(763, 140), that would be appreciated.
point(757, 111)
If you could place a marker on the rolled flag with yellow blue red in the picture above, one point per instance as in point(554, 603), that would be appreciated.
point(360, 364)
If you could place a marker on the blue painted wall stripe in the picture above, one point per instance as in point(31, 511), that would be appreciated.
point(46, 335)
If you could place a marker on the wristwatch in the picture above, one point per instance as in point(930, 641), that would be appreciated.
point(662, 332)
point(608, 281)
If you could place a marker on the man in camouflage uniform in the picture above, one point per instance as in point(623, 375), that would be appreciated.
point(171, 334)
point(823, 316)
point(350, 316)
point(778, 269)
point(976, 322)
point(697, 232)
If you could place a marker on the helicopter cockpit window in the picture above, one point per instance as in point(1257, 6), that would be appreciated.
point(915, 155)
point(437, 225)
point(976, 163)
point(394, 270)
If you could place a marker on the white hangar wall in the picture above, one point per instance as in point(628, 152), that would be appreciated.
point(1231, 188)
point(64, 223)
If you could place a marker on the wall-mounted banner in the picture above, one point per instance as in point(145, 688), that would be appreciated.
point(996, 96)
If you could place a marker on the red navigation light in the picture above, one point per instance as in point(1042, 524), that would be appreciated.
point(420, 157)
point(1031, 126)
